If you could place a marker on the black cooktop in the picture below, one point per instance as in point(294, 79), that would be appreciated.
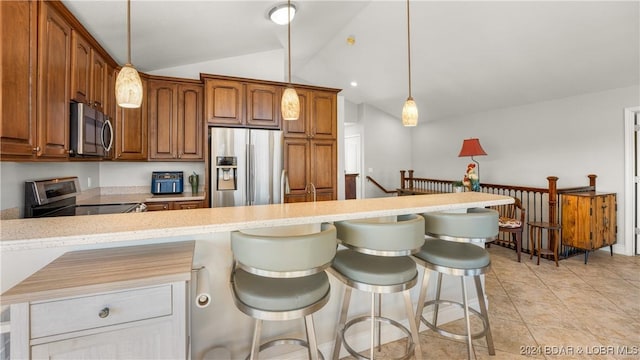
point(75, 210)
point(57, 197)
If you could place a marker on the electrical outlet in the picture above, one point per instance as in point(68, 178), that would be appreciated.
point(370, 170)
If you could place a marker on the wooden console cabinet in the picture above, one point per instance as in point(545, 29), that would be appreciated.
point(589, 220)
point(120, 303)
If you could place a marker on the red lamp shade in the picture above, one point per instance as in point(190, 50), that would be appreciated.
point(471, 147)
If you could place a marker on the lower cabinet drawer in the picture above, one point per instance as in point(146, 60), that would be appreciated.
point(88, 312)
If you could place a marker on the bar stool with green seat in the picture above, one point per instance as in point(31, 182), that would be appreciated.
point(450, 249)
point(282, 278)
point(377, 260)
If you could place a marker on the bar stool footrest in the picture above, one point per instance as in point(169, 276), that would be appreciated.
point(378, 319)
point(443, 332)
point(286, 341)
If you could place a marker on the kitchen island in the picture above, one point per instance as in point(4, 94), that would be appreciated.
point(29, 244)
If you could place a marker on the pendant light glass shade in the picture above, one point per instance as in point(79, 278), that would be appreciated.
point(128, 83)
point(128, 87)
point(290, 105)
point(410, 113)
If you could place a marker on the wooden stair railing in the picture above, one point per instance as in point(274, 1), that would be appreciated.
point(541, 204)
point(369, 178)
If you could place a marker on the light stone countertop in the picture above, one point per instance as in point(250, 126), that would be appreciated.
point(24, 234)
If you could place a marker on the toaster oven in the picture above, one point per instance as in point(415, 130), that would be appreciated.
point(166, 182)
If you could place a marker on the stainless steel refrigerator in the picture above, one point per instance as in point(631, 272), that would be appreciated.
point(246, 166)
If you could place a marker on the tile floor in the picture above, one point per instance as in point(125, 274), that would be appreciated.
point(574, 311)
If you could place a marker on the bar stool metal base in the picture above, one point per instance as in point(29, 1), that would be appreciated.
point(376, 320)
point(285, 341)
point(443, 332)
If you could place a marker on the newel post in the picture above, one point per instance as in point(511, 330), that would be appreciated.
point(592, 181)
point(402, 179)
point(553, 199)
point(553, 208)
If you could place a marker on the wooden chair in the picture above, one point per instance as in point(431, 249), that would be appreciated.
point(511, 221)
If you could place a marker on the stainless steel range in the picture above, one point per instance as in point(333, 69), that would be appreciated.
point(57, 197)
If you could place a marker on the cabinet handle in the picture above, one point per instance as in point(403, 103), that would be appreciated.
point(36, 149)
point(104, 313)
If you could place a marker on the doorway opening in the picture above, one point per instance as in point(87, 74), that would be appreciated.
point(353, 161)
point(631, 232)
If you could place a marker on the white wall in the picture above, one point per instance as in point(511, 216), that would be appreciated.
point(568, 138)
point(116, 173)
point(268, 65)
point(386, 149)
point(13, 175)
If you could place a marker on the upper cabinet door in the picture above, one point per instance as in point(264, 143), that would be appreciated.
point(131, 130)
point(190, 123)
point(54, 64)
point(18, 22)
point(98, 81)
point(163, 120)
point(224, 102)
point(300, 128)
point(263, 106)
point(80, 68)
point(323, 114)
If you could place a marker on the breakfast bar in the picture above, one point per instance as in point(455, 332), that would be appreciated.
point(29, 244)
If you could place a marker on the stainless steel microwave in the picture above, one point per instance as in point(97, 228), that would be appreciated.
point(91, 131)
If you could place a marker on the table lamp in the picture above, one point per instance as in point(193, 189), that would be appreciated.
point(472, 147)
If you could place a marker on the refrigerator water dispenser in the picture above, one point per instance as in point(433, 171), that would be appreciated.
point(226, 173)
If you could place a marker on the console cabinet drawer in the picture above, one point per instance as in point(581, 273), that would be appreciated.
point(88, 312)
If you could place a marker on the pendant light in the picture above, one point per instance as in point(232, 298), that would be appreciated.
point(290, 105)
point(128, 83)
point(410, 109)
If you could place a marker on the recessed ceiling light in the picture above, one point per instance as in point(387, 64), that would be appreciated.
point(278, 14)
point(353, 83)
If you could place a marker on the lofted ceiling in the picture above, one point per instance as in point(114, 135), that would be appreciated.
point(466, 56)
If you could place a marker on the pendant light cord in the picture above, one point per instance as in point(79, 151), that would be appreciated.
point(128, 31)
point(289, 37)
point(409, 46)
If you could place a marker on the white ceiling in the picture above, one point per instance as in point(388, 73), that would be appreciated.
point(466, 56)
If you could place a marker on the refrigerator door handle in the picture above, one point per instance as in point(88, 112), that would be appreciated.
point(251, 191)
point(284, 185)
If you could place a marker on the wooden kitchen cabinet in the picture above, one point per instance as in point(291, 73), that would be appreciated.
point(310, 155)
point(175, 120)
point(263, 106)
point(589, 220)
point(107, 309)
point(88, 73)
point(131, 130)
point(174, 205)
point(236, 102)
point(49, 62)
point(224, 102)
point(18, 122)
point(98, 81)
point(318, 116)
point(311, 167)
point(80, 68)
point(54, 67)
